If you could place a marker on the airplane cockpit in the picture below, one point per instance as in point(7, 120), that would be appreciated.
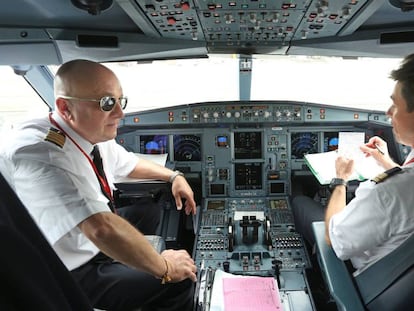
point(242, 136)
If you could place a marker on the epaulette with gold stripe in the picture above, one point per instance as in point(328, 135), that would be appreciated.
point(384, 175)
point(56, 136)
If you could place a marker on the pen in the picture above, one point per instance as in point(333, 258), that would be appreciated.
point(379, 149)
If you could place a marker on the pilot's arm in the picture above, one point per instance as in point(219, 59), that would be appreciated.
point(115, 237)
point(180, 188)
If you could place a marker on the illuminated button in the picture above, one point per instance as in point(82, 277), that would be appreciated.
point(171, 20)
point(136, 120)
point(185, 6)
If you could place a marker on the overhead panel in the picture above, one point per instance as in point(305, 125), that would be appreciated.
point(247, 23)
point(328, 18)
point(252, 25)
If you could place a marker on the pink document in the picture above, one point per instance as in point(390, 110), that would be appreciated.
point(251, 294)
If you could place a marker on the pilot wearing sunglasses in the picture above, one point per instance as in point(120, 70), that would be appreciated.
point(70, 198)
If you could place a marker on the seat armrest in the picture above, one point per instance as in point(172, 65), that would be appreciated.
point(157, 242)
point(335, 273)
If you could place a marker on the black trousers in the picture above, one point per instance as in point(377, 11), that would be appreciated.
point(113, 286)
point(143, 213)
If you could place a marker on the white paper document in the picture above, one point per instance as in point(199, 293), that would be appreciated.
point(322, 164)
point(160, 159)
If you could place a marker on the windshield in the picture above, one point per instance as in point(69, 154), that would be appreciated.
point(359, 83)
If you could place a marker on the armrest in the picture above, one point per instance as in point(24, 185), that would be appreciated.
point(157, 242)
point(335, 273)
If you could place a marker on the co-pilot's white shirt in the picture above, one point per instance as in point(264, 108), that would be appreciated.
point(376, 221)
point(58, 185)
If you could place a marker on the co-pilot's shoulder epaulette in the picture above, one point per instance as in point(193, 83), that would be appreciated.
point(56, 137)
point(384, 175)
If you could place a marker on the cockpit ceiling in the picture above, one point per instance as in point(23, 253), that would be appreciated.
point(153, 29)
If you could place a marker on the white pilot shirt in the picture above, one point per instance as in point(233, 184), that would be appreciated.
point(376, 221)
point(58, 186)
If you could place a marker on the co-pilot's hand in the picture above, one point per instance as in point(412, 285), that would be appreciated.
point(344, 167)
point(377, 148)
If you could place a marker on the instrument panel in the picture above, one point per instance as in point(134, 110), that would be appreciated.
point(247, 158)
point(245, 149)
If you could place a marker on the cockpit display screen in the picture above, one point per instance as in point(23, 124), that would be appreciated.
point(153, 144)
point(247, 145)
point(248, 176)
point(330, 141)
point(303, 143)
point(187, 147)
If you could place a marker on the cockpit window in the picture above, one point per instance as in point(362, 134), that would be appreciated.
point(18, 100)
point(356, 83)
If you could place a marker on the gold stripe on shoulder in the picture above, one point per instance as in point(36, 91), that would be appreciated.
point(388, 173)
point(56, 137)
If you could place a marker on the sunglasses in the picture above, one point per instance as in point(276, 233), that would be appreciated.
point(107, 103)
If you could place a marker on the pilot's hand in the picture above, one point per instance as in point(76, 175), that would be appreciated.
point(344, 167)
point(377, 148)
point(180, 265)
point(181, 190)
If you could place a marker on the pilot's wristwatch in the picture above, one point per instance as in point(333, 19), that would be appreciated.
point(337, 182)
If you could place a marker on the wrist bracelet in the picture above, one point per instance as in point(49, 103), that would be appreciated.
point(165, 278)
point(174, 175)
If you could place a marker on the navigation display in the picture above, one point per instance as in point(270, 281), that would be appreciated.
point(303, 143)
point(187, 147)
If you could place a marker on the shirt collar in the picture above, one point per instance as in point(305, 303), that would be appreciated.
point(83, 143)
point(409, 157)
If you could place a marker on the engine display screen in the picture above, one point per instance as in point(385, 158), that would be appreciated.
point(153, 144)
point(247, 145)
point(187, 147)
point(248, 176)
